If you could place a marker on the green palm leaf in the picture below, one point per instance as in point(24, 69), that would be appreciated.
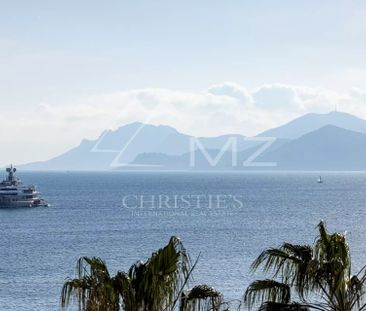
point(267, 290)
point(201, 298)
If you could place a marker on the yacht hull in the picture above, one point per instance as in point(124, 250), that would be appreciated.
point(21, 204)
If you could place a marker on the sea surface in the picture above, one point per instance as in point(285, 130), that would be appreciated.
point(227, 218)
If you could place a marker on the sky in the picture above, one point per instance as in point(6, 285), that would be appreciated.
point(71, 69)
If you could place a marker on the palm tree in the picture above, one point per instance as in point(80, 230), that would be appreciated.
point(154, 285)
point(319, 276)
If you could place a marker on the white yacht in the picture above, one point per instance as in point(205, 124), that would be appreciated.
point(14, 194)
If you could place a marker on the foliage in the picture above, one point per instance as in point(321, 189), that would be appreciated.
point(94, 288)
point(153, 285)
point(320, 276)
point(201, 297)
point(156, 284)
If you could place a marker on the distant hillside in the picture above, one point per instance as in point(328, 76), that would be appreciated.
point(201, 162)
point(313, 121)
point(328, 148)
point(122, 146)
point(315, 143)
point(132, 139)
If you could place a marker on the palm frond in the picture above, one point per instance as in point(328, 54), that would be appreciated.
point(93, 288)
point(201, 298)
point(290, 263)
point(275, 306)
point(267, 291)
point(166, 272)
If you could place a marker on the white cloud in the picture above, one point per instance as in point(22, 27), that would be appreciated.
point(357, 93)
point(277, 96)
point(232, 90)
point(223, 108)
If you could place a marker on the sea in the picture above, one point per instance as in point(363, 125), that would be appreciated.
point(226, 219)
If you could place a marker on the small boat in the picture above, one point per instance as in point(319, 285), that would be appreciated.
point(320, 180)
point(14, 194)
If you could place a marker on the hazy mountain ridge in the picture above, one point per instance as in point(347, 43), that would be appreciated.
point(197, 160)
point(324, 145)
point(328, 148)
point(122, 146)
point(314, 121)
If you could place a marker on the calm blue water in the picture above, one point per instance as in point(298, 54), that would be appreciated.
point(39, 247)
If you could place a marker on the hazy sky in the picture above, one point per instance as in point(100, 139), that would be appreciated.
point(69, 69)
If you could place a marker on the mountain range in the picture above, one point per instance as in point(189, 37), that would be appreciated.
point(314, 121)
point(333, 141)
